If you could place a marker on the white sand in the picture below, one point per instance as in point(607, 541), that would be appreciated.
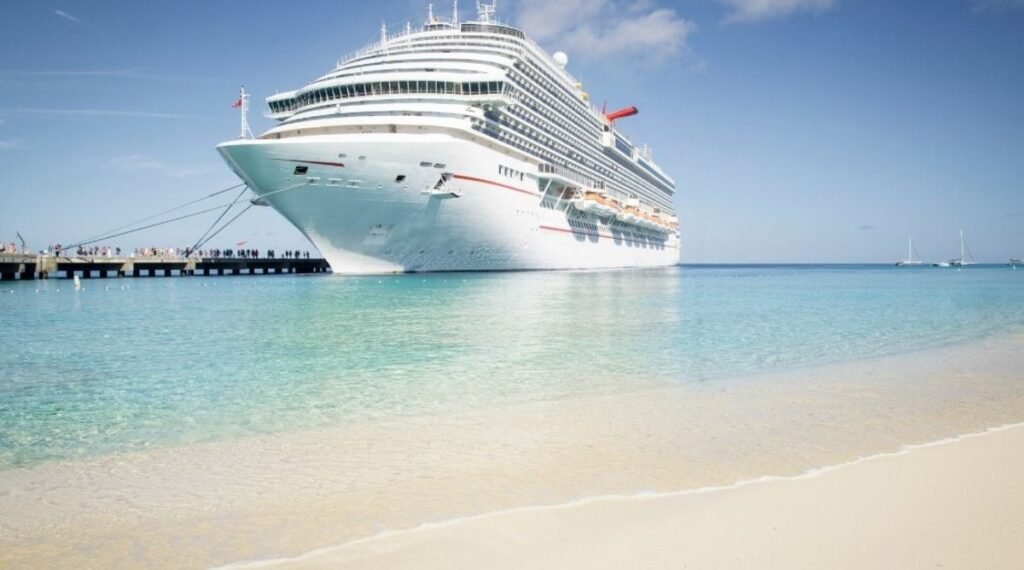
point(955, 504)
point(208, 504)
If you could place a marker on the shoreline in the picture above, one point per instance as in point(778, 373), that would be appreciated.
point(281, 495)
point(741, 380)
point(386, 549)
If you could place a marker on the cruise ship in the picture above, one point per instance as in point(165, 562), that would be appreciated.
point(458, 145)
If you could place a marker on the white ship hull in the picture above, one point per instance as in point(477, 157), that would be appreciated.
point(363, 219)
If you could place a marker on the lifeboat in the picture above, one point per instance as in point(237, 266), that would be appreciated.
point(593, 202)
point(584, 203)
point(630, 215)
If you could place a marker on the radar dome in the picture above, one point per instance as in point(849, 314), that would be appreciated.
point(561, 58)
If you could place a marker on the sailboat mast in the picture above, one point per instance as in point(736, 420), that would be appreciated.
point(910, 248)
point(961, 246)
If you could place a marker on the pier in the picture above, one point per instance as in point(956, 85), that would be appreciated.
point(21, 266)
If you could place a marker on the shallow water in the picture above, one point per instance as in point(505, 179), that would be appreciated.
point(131, 364)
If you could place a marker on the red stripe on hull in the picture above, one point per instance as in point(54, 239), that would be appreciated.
point(320, 162)
point(599, 234)
point(493, 183)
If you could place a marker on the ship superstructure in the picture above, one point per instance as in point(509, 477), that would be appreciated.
point(459, 146)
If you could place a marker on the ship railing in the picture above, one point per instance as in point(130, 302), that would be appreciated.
point(547, 170)
point(568, 77)
point(277, 114)
point(506, 97)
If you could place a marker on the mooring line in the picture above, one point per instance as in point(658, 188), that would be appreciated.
point(99, 236)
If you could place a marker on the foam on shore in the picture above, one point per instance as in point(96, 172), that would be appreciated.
point(577, 503)
point(277, 496)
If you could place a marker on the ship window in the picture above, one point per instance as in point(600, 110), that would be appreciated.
point(394, 87)
point(333, 181)
point(400, 178)
point(439, 165)
point(313, 181)
point(301, 170)
point(403, 86)
point(426, 163)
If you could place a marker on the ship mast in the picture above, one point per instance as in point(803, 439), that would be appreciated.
point(485, 12)
point(243, 100)
point(961, 246)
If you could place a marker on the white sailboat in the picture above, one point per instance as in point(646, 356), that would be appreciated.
point(962, 261)
point(909, 261)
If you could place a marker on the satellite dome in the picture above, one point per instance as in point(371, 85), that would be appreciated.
point(561, 58)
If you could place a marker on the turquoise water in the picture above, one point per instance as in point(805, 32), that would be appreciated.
point(131, 363)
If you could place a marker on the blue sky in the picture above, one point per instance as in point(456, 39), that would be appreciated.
point(797, 130)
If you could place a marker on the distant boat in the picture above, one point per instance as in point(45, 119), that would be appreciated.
point(909, 261)
point(962, 261)
point(1015, 262)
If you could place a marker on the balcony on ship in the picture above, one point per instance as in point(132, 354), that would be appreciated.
point(564, 176)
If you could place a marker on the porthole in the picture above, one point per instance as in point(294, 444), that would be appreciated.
point(400, 178)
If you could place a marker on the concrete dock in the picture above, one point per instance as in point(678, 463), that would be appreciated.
point(21, 266)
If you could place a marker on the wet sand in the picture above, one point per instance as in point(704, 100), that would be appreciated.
point(284, 495)
point(955, 504)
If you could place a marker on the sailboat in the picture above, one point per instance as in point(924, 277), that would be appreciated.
point(909, 261)
point(962, 261)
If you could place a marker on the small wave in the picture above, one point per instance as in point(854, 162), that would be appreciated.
point(644, 496)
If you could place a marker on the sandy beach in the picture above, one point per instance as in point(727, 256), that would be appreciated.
point(366, 485)
point(951, 504)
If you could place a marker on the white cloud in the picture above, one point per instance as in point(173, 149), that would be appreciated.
point(746, 11)
point(99, 113)
point(136, 162)
point(11, 144)
point(145, 163)
point(66, 16)
point(186, 172)
point(599, 28)
point(998, 5)
point(101, 73)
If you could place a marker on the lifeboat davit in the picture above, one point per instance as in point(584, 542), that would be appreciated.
point(594, 203)
point(631, 215)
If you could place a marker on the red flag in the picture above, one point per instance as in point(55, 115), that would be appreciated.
point(237, 103)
